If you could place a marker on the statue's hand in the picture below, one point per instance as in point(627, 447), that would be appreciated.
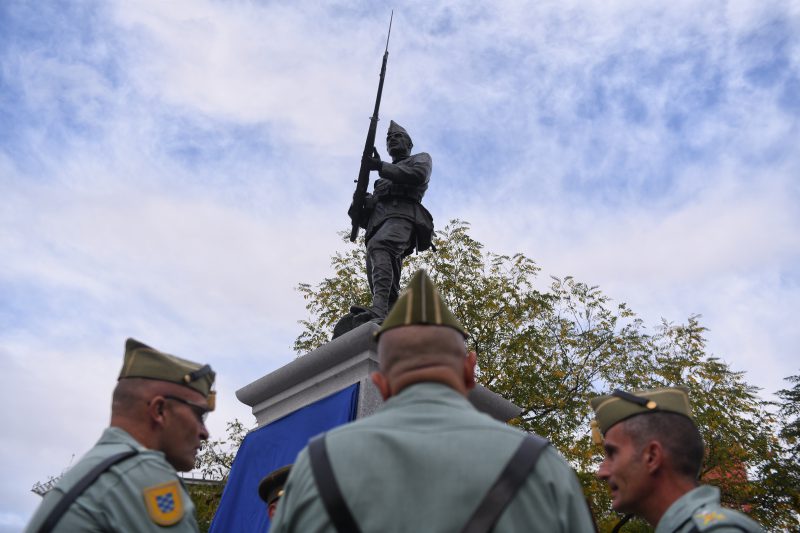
point(374, 162)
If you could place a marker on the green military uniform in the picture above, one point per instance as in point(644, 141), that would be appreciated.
point(126, 497)
point(699, 510)
point(426, 459)
point(141, 492)
point(423, 462)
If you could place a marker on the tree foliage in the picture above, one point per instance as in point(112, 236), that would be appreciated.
point(781, 470)
point(214, 463)
point(550, 347)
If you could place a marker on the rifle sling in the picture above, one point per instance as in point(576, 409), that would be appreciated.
point(507, 484)
point(482, 520)
point(329, 490)
point(78, 488)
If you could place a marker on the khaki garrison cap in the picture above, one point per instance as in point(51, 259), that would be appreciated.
point(620, 405)
point(420, 304)
point(271, 487)
point(142, 361)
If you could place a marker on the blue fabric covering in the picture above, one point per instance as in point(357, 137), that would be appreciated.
point(268, 448)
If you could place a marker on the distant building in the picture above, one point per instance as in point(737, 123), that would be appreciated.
point(193, 481)
point(43, 487)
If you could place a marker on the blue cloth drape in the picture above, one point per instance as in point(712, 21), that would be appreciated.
point(270, 447)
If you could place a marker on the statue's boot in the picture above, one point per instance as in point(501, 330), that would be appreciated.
point(358, 315)
point(382, 283)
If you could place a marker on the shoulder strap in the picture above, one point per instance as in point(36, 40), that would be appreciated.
point(507, 484)
point(329, 490)
point(66, 501)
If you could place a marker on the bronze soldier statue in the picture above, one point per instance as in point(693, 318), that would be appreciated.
point(395, 220)
point(398, 223)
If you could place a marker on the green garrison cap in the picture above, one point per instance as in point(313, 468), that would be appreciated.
point(142, 361)
point(271, 487)
point(420, 304)
point(620, 405)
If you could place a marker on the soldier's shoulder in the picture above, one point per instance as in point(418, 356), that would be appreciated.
point(149, 465)
point(420, 156)
point(718, 518)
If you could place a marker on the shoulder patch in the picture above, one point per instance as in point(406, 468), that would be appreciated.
point(720, 517)
point(707, 518)
point(164, 503)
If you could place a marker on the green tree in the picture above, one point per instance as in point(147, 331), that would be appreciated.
point(550, 347)
point(214, 464)
point(780, 472)
point(789, 412)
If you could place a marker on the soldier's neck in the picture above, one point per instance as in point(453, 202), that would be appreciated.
point(400, 157)
point(668, 492)
point(140, 434)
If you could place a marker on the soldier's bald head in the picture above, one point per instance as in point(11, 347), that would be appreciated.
point(419, 354)
point(413, 347)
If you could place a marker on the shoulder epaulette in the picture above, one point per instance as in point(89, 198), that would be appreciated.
point(711, 519)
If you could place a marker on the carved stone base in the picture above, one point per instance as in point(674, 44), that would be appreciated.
point(348, 359)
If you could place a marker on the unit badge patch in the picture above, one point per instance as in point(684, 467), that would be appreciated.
point(710, 517)
point(164, 503)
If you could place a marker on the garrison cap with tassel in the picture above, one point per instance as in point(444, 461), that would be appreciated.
point(394, 127)
point(271, 487)
point(142, 361)
point(620, 405)
point(420, 304)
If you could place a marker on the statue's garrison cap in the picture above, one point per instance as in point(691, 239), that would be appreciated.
point(394, 127)
point(271, 487)
point(142, 361)
point(620, 405)
point(420, 304)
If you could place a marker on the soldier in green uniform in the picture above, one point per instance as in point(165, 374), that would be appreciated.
point(428, 460)
point(270, 489)
point(128, 481)
point(653, 455)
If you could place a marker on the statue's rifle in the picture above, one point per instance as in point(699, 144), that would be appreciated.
point(362, 183)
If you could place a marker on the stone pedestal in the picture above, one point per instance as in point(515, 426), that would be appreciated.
point(338, 364)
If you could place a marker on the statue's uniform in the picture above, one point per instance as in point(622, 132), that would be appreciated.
point(699, 510)
point(140, 493)
point(397, 221)
point(424, 462)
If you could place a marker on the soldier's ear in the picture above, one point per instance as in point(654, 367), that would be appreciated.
point(155, 408)
point(653, 456)
point(382, 384)
point(469, 370)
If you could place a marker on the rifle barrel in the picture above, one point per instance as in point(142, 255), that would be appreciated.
point(362, 183)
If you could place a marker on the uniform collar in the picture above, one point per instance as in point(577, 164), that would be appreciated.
point(115, 435)
point(427, 391)
point(684, 507)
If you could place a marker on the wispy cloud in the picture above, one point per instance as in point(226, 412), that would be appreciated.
point(171, 170)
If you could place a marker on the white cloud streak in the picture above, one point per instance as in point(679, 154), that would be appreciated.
point(172, 170)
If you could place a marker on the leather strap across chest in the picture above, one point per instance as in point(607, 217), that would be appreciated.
point(78, 488)
point(482, 520)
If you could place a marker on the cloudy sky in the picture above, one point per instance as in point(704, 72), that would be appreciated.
point(171, 170)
